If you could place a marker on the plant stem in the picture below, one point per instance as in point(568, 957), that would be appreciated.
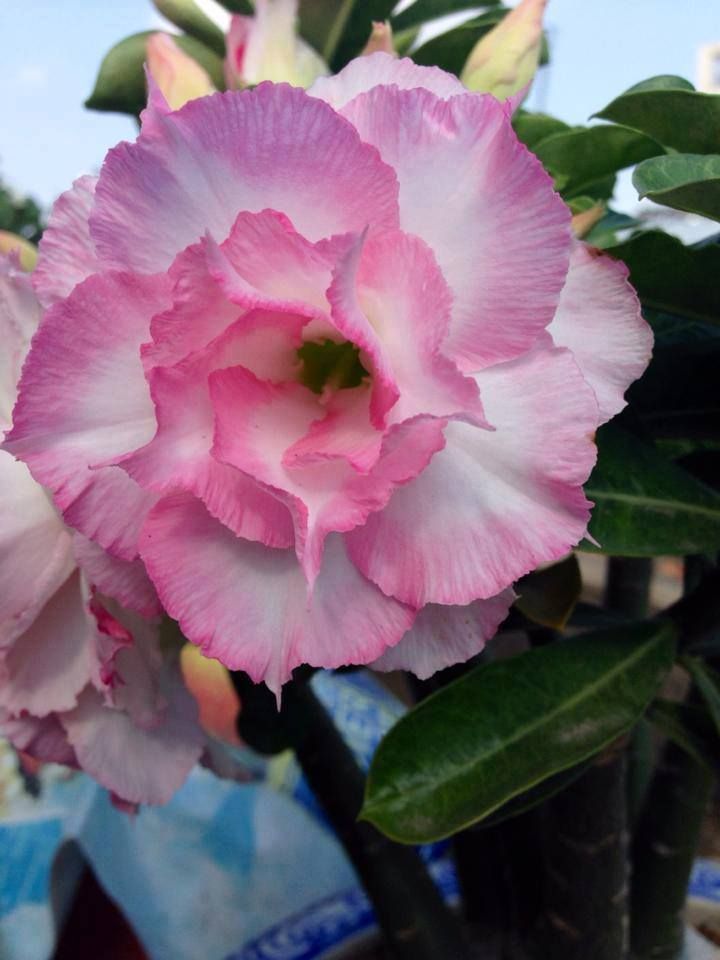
point(669, 826)
point(586, 883)
point(410, 910)
point(628, 585)
point(663, 851)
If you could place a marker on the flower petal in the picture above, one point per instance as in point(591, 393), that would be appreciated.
point(84, 399)
point(498, 230)
point(50, 663)
point(445, 635)
point(42, 738)
point(139, 765)
point(383, 69)
point(600, 320)
point(36, 555)
point(123, 580)
point(195, 169)
point(19, 319)
point(257, 422)
point(248, 606)
point(67, 253)
point(492, 505)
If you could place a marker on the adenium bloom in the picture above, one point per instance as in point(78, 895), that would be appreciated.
point(82, 680)
point(330, 363)
point(266, 46)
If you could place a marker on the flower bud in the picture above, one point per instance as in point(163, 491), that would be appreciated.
point(25, 251)
point(504, 61)
point(380, 40)
point(179, 77)
point(266, 46)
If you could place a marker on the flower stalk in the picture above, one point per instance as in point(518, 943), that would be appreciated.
point(416, 923)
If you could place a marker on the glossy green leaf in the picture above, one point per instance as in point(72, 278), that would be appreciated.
point(684, 181)
point(533, 128)
point(690, 727)
point(646, 506)
point(186, 15)
point(671, 111)
point(707, 681)
point(671, 277)
point(548, 596)
point(508, 725)
point(582, 157)
point(120, 86)
point(450, 50)
point(423, 11)
point(535, 795)
point(678, 396)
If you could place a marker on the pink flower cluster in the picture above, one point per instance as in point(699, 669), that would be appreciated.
point(328, 364)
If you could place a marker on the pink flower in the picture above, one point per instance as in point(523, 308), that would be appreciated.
point(82, 679)
point(333, 372)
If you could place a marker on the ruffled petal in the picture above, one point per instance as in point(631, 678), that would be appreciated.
point(36, 555)
point(382, 69)
point(493, 504)
point(67, 253)
point(248, 605)
point(138, 765)
point(179, 455)
point(123, 580)
point(257, 422)
point(500, 233)
point(195, 169)
point(50, 663)
point(19, 318)
point(445, 635)
point(84, 399)
point(42, 738)
point(600, 320)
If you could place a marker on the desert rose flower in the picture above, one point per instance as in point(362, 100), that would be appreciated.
point(83, 680)
point(266, 46)
point(331, 363)
point(380, 40)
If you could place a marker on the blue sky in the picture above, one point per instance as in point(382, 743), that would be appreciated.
point(51, 50)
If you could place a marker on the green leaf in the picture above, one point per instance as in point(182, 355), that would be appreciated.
point(707, 681)
point(533, 128)
point(450, 50)
point(339, 29)
point(671, 277)
point(671, 111)
point(684, 181)
point(646, 506)
point(423, 11)
point(678, 396)
point(191, 20)
point(604, 233)
point(579, 158)
point(548, 596)
point(120, 86)
point(689, 727)
point(536, 795)
point(510, 724)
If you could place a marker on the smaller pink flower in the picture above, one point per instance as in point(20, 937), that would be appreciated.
point(83, 680)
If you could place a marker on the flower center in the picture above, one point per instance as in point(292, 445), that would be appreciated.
point(329, 364)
